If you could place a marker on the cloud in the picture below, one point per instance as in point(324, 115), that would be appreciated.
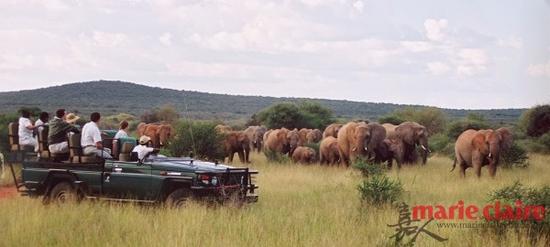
point(539, 70)
point(438, 68)
point(417, 46)
point(471, 62)
point(512, 42)
point(166, 39)
point(435, 29)
point(359, 6)
point(106, 39)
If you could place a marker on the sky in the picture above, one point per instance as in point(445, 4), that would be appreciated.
point(454, 54)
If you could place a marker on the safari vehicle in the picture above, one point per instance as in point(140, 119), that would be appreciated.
point(155, 179)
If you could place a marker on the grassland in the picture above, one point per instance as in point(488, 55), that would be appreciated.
point(299, 206)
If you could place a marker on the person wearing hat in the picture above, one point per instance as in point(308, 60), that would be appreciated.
point(142, 149)
point(59, 127)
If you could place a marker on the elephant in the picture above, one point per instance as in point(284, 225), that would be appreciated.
point(302, 133)
point(390, 130)
point(255, 135)
point(413, 134)
point(391, 149)
point(314, 136)
point(359, 140)
point(477, 148)
point(160, 134)
point(220, 128)
point(236, 142)
point(332, 130)
point(304, 155)
point(281, 140)
point(328, 151)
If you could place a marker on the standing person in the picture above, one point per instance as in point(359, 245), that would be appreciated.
point(25, 130)
point(91, 139)
point(57, 134)
point(122, 133)
point(39, 125)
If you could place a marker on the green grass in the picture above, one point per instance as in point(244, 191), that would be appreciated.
point(298, 206)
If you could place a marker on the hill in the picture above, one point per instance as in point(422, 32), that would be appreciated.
point(110, 97)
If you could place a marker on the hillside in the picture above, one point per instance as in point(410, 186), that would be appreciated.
point(111, 97)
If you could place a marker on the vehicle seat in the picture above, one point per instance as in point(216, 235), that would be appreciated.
point(13, 134)
point(75, 151)
point(126, 151)
point(43, 149)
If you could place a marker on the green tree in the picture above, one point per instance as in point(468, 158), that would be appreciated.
point(536, 121)
point(199, 138)
point(290, 115)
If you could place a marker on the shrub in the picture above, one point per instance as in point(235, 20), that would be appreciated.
point(166, 113)
point(368, 169)
point(439, 142)
point(535, 229)
point(516, 156)
point(457, 127)
point(198, 137)
point(432, 118)
point(290, 115)
point(536, 121)
point(380, 189)
point(276, 157)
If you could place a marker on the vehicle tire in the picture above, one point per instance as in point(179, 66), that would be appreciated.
point(63, 192)
point(178, 198)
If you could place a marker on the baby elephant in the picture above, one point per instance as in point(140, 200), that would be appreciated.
point(304, 155)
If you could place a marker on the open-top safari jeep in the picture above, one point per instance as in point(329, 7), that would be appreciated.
point(155, 179)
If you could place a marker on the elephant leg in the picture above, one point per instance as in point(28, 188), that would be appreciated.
point(463, 171)
point(390, 163)
point(231, 157)
point(241, 156)
point(492, 169)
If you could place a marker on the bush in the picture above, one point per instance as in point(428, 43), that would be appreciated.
point(166, 113)
point(528, 196)
point(369, 169)
point(516, 156)
point(198, 137)
point(439, 142)
point(457, 127)
point(290, 115)
point(536, 121)
point(380, 189)
point(432, 118)
point(276, 157)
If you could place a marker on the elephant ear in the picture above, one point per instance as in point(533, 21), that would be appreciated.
point(506, 138)
point(479, 143)
point(406, 133)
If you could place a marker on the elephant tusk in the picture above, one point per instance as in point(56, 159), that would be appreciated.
point(423, 147)
point(490, 155)
point(354, 149)
point(366, 149)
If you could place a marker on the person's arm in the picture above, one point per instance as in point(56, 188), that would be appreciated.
point(29, 125)
point(96, 135)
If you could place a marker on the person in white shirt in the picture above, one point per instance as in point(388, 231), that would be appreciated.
point(91, 139)
point(122, 131)
point(142, 149)
point(25, 130)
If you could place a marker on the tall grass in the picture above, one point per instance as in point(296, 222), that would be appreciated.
point(298, 206)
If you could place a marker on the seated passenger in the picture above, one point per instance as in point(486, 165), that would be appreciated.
point(39, 125)
point(122, 131)
point(142, 149)
point(58, 130)
point(25, 130)
point(91, 141)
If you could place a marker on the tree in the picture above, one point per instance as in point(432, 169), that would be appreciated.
point(536, 121)
point(166, 113)
point(290, 115)
point(198, 137)
point(432, 118)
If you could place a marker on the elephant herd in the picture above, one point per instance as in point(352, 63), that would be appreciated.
point(344, 144)
point(338, 144)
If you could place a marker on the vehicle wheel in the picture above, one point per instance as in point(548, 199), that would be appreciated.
point(63, 192)
point(178, 198)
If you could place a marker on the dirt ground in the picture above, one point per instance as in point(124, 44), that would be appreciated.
point(7, 192)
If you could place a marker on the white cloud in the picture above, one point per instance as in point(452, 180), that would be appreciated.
point(166, 39)
point(359, 6)
point(435, 29)
point(539, 70)
point(438, 68)
point(471, 62)
point(417, 46)
point(512, 42)
point(107, 39)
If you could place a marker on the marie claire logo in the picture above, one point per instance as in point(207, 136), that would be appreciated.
point(406, 226)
